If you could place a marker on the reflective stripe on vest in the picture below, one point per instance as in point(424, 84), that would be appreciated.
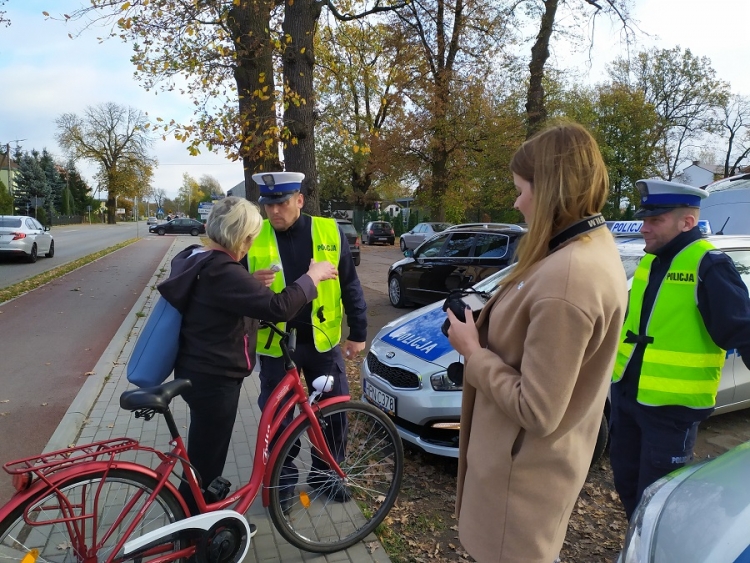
point(682, 366)
point(327, 308)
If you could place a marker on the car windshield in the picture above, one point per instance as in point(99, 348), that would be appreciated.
point(742, 182)
point(348, 229)
point(11, 222)
point(440, 226)
point(492, 283)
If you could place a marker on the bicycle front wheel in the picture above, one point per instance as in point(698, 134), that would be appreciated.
point(311, 506)
point(86, 519)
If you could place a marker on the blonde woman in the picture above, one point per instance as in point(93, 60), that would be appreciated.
point(220, 304)
point(539, 359)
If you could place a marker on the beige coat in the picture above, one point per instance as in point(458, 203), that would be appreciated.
point(533, 401)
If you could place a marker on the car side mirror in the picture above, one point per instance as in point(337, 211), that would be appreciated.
point(409, 253)
point(46, 228)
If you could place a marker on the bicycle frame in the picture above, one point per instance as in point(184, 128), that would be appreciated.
point(53, 470)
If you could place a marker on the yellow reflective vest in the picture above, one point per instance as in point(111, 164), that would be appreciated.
point(682, 364)
point(327, 307)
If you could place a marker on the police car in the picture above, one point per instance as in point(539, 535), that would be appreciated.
point(405, 372)
point(700, 514)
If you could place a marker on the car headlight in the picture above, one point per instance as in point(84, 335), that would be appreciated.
point(440, 382)
point(639, 539)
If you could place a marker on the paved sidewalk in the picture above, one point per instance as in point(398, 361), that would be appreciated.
point(106, 420)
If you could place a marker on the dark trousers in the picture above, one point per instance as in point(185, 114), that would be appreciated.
point(312, 364)
point(645, 445)
point(213, 402)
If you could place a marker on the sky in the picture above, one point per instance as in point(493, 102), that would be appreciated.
point(44, 73)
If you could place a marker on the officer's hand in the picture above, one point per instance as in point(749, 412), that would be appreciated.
point(352, 349)
point(265, 276)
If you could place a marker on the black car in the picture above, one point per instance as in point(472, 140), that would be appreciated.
point(352, 236)
point(454, 259)
point(379, 231)
point(180, 226)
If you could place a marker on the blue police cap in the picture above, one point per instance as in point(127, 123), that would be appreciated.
point(277, 187)
point(660, 196)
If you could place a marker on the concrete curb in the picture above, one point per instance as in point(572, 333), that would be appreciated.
point(74, 418)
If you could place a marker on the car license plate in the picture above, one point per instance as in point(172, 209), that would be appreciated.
point(381, 399)
point(382, 238)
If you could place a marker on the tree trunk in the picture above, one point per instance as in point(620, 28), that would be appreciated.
point(440, 153)
point(300, 20)
point(536, 112)
point(253, 73)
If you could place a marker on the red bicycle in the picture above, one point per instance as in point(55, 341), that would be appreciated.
point(99, 502)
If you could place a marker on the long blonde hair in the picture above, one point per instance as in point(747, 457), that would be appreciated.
point(568, 182)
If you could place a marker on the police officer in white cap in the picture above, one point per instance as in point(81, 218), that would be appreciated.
point(288, 241)
point(688, 305)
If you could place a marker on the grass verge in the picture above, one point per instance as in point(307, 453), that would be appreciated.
point(25, 286)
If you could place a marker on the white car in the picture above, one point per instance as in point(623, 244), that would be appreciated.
point(151, 221)
point(25, 236)
point(405, 372)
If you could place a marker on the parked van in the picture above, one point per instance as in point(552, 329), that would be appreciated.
point(727, 207)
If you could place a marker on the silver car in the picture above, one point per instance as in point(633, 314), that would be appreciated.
point(700, 514)
point(420, 233)
point(25, 236)
point(405, 372)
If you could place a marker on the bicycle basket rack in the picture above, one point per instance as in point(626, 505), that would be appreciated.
point(48, 463)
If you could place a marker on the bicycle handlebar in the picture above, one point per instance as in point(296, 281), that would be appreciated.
point(288, 340)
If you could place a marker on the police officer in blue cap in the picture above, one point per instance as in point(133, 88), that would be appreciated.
point(288, 241)
point(688, 305)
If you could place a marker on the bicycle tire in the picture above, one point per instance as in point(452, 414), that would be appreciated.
point(54, 542)
point(373, 461)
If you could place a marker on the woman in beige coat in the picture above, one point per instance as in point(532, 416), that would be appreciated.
point(539, 359)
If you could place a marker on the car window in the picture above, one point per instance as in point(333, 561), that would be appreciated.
point(30, 224)
point(741, 259)
point(459, 245)
point(10, 222)
point(419, 228)
point(440, 226)
point(431, 248)
point(491, 245)
point(38, 225)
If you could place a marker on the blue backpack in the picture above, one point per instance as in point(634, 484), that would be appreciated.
point(155, 351)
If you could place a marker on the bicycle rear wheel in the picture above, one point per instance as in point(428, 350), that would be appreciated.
point(98, 502)
point(313, 509)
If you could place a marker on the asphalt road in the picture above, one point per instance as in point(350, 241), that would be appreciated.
point(71, 242)
point(52, 336)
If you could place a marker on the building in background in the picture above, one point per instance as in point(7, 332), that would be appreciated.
point(699, 174)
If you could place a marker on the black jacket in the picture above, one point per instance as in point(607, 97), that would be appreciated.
point(723, 303)
point(220, 303)
point(296, 251)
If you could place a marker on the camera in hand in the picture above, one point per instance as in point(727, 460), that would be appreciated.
point(458, 301)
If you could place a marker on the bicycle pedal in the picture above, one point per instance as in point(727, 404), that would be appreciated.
point(217, 490)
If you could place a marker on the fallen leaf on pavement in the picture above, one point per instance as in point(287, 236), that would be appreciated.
point(89, 373)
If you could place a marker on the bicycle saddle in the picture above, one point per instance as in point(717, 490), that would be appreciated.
point(156, 398)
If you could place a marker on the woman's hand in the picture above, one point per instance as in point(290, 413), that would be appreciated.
point(265, 276)
point(320, 271)
point(464, 337)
